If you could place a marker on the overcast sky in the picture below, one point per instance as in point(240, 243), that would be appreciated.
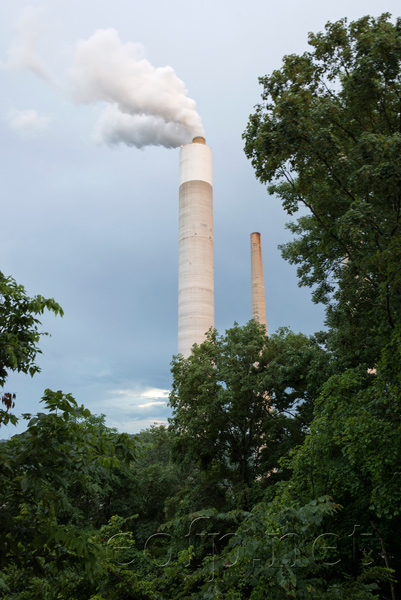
point(91, 220)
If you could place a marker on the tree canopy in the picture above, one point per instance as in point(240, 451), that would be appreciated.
point(327, 137)
point(52, 490)
point(19, 334)
point(242, 400)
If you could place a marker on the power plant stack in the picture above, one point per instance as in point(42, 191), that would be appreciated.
point(196, 268)
point(257, 281)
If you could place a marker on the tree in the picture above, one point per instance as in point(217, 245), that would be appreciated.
point(241, 400)
point(19, 335)
point(353, 453)
point(51, 488)
point(327, 138)
point(155, 480)
point(280, 552)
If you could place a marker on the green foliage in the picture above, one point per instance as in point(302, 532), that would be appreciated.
point(241, 400)
point(19, 335)
point(155, 480)
point(353, 452)
point(327, 138)
point(273, 551)
point(50, 490)
point(280, 553)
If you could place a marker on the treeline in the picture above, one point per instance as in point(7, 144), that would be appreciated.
point(279, 474)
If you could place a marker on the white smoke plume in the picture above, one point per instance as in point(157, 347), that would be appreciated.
point(147, 105)
point(144, 105)
point(114, 127)
point(22, 52)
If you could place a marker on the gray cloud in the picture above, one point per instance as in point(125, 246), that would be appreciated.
point(138, 405)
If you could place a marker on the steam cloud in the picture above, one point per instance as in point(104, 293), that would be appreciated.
point(115, 127)
point(147, 105)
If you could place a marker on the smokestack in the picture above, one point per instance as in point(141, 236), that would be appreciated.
point(257, 281)
point(196, 271)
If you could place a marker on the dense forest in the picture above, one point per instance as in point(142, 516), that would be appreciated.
point(279, 474)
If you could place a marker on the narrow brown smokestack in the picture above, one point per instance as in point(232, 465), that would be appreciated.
point(257, 281)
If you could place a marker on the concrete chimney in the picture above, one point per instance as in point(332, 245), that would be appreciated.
point(196, 269)
point(257, 281)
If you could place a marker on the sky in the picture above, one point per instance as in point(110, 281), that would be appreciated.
point(90, 204)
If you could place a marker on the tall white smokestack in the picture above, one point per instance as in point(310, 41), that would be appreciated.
point(257, 281)
point(196, 270)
